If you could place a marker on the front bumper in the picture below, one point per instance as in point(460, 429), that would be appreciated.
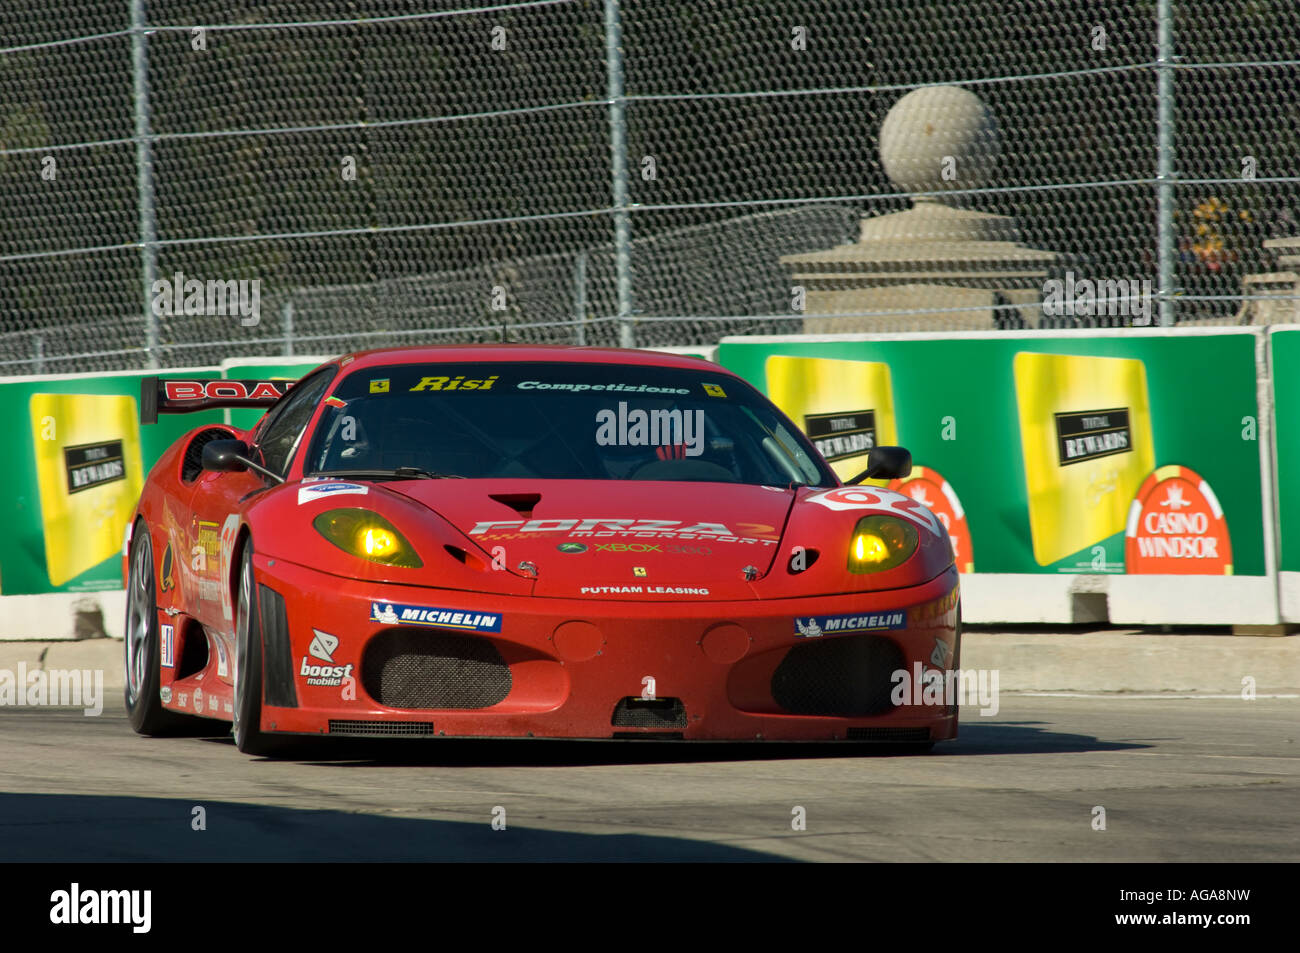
point(567, 668)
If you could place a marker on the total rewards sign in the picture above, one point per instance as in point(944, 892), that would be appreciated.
point(89, 471)
point(845, 407)
point(1085, 428)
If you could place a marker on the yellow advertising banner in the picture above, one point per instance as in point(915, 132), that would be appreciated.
point(89, 472)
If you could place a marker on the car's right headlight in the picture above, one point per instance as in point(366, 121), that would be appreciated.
point(368, 535)
point(881, 542)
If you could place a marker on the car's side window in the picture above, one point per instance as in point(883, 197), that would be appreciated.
point(281, 433)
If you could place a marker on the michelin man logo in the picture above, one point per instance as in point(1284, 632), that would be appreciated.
point(810, 631)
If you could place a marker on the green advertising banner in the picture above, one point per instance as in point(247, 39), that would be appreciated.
point(1065, 452)
point(1120, 453)
point(78, 458)
point(1284, 347)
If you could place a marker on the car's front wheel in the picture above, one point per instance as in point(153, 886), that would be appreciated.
point(144, 707)
point(249, 736)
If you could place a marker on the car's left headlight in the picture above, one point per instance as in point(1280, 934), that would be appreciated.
point(881, 542)
point(368, 535)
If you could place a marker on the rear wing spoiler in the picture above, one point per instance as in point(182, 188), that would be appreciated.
point(173, 395)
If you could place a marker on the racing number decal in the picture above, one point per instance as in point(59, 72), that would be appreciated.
point(229, 530)
point(857, 498)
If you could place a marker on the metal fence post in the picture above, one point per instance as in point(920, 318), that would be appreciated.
point(1165, 160)
point(287, 322)
point(144, 175)
point(38, 349)
point(618, 172)
point(580, 299)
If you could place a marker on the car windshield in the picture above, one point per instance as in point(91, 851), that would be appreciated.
point(558, 421)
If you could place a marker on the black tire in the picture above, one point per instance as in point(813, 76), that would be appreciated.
point(143, 650)
point(249, 736)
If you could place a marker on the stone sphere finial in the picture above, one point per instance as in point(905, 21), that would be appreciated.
point(938, 138)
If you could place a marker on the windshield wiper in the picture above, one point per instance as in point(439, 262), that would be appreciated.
point(398, 473)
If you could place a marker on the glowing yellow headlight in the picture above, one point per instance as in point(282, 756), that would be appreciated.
point(368, 535)
point(376, 541)
point(881, 542)
point(869, 548)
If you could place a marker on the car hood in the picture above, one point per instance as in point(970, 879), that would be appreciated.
point(636, 540)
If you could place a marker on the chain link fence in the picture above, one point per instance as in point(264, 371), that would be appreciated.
point(185, 180)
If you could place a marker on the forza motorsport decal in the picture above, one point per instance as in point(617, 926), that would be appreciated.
point(167, 643)
point(873, 498)
point(165, 693)
point(817, 626)
point(198, 699)
point(438, 618)
point(752, 533)
point(318, 491)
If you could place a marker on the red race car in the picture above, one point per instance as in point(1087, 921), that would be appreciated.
point(520, 541)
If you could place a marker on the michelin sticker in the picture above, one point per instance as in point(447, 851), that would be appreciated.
point(817, 626)
point(391, 614)
point(321, 490)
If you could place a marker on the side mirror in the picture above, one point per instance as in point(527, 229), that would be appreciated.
point(883, 463)
point(233, 456)
point(225, 456)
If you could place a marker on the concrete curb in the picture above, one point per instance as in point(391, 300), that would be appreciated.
point(1113, 661)
point(1108, 661)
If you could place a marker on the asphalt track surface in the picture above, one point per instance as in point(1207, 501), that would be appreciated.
point(1201, 779)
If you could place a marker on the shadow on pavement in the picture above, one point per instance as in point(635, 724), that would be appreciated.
point(65, 828)
point(1025, 737)
point(975, 739)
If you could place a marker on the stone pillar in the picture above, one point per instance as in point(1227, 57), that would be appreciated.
point(935, 257)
